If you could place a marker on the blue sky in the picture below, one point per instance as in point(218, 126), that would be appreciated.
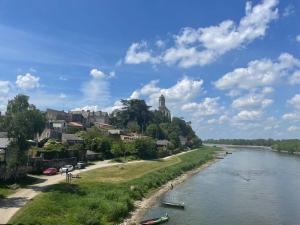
point(230, 67)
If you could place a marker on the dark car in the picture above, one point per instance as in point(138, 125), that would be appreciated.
point(50, 171)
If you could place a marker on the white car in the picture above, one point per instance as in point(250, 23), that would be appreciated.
point(65, 168)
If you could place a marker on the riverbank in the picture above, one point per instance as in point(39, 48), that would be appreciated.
point(269, 148)
point(107, 196)
point(143, 205)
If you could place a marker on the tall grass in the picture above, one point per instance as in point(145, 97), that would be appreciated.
point(96, 203)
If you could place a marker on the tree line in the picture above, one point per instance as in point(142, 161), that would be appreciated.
point(288, 145)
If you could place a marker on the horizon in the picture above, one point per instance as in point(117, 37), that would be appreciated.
point(232, 70)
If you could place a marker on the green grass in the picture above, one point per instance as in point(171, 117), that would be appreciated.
point(106, 196)
point(10, 187)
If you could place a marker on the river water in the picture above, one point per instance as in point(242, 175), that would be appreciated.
point(249, 187)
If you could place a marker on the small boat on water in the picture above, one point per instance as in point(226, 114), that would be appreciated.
point(228, 152)
point(173, 204)
point(158, 220)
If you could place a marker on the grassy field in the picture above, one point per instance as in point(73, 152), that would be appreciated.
point(106, 196)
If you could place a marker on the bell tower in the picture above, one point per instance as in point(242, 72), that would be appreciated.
point(162, 102)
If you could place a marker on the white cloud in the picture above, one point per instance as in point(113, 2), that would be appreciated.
point(259, 73)
point(204, 45)
point(208, 107)
point(298, 38)
point(295, 101)
point(267, 90)
point(183, 91)
point(295, 78)
point(288, 10)
point(233, 93)
point(95, 92)
point(248, 115)
point(293, 128)
point(112, 73)
point(251, 101)
point(295, 116)
point(92, 108)
point(138, 53)
point(62, 78)
point(27, 81)
point(97, 73)
point(62, 96)
point(5, 89)
point(160, 43)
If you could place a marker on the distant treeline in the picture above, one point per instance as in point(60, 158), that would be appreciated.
point(290, 145)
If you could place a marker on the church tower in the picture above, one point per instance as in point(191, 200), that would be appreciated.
point(162, 102)
point(162, 107)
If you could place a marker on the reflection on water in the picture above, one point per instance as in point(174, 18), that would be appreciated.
point(249, 187)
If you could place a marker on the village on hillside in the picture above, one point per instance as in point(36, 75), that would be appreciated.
point(66, 138)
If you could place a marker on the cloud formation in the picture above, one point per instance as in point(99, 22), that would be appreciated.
point(27, 81)
point(201, 46)
point(259, 73)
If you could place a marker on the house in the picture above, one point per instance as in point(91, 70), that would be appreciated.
point(71, 139)
point(163, 144)
point(52, 114)
point(4, 142)
point(104, 126)
point(130, 137)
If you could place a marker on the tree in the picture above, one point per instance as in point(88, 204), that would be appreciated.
point(134, 110)
point(153, 130)
point(117, 149)
point(22, 121)
point(133, 126)
point(146, 148)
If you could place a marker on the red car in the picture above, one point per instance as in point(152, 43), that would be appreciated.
point(50, 171)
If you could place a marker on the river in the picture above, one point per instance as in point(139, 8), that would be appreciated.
point(249, 187)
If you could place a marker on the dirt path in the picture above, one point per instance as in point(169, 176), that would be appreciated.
point(10, 205)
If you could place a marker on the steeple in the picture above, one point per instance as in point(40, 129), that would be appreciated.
point(162, 107)
point(162, 101)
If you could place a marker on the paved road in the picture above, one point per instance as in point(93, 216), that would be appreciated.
point(10, 205)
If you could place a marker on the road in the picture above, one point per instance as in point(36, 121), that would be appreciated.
point(10, 205)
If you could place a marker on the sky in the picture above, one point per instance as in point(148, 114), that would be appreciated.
point(232, 68)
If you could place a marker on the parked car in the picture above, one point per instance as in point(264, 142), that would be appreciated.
point(65, 168)
point(50, 171)
point(81, 165)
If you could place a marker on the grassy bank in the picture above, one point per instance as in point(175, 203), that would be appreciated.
point(106, 196)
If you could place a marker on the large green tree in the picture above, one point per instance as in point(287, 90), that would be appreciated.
point(22, 121)
point(133, 110)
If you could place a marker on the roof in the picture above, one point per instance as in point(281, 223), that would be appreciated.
point(75, 124)
point(115, 131)
point(4, 142)
point(70, 137)
point(162, 142)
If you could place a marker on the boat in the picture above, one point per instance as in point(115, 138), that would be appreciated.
point(228, 152)
point(173, 204)
point(158, 220)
